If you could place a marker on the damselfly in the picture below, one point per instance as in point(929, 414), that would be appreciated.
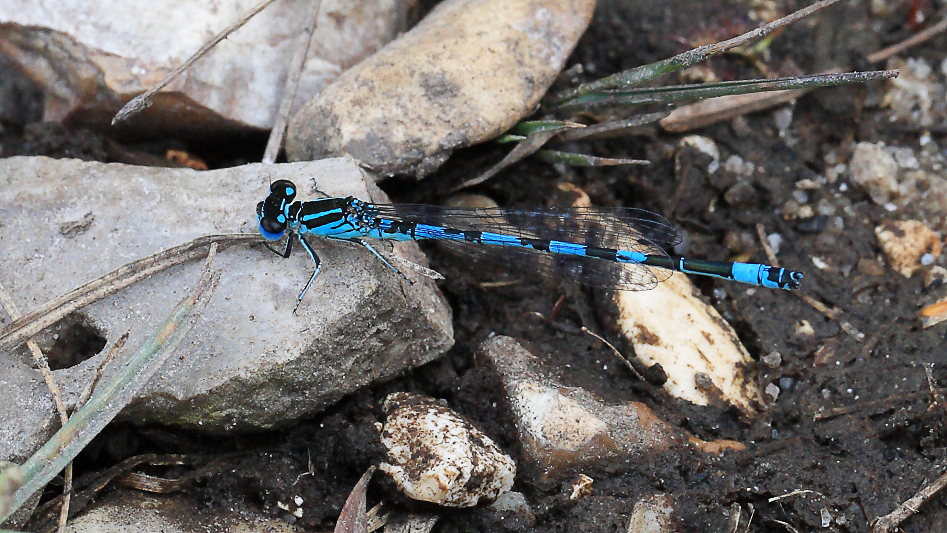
point(617, 248)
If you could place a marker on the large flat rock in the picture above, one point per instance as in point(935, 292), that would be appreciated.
point(249, 363)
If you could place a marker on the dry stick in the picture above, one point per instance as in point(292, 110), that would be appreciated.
point(833, 313)
point(35, 321)
point(890, 521)
point(796, 492)
point(849, 409)
point(113, 351)
point(914, 40)
point(750, 519)
point(304, 42)
point(736, 512)
point(767, 249)
point(102, 480)
point(110, 399)
point(142, 101)
point(786, 525)
point(10, 307)
point(938, 399)
point(616, 352)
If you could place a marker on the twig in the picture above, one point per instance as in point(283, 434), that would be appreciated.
point(736, 512)
point(304, 42)
point(10, 307)
point(890, 521)
point(932, 384)
point(618, 354)
point(90, 386)
point(848, 409)
point(750, 519)
point(767, 249)
point(110, 399)
point(41, 516)
point(785, 525)
point(796, 492)
point(33, 322)
point(914, 40)
point(142, 101)
point(833, 313)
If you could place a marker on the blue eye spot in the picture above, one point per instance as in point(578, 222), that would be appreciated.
point(290, 191)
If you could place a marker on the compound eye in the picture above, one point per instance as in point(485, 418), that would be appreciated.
point(284, 189)
point(271, 229)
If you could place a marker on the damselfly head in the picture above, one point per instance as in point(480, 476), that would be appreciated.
point(272, 212)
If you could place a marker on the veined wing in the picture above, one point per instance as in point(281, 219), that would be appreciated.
point(634, 230)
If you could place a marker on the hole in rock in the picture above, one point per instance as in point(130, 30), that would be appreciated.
point(70, 341)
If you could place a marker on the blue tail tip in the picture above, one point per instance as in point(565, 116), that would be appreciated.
point(792, 280)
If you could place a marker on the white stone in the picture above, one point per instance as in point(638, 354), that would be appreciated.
point(670, 325)
point(437, 456)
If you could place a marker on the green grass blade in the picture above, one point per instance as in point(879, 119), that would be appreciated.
point(685, 93)
point(638, 75)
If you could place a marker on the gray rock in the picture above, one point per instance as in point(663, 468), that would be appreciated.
point(249, 363)
point(91, 57)
point(564, 429)
point(466, 73)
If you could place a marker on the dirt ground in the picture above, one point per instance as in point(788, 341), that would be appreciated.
point(854, 426)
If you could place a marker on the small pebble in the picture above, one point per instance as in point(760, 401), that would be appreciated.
point(906, 159)
point(812, 225)
point(906, 243)
point(875, 170)
point(773, 359)
point(790, 210)
point(786, 382)
point(772, 391)
point(775, 241)
point(703, 381)
point(739, 166)
point(804, 328)
point(807, 184)
point(740, 194)
point(581, 487)
point(800, 196)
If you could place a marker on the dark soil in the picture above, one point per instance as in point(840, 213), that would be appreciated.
point(854, 425)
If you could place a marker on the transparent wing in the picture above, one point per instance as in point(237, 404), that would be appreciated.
point(627, 229)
